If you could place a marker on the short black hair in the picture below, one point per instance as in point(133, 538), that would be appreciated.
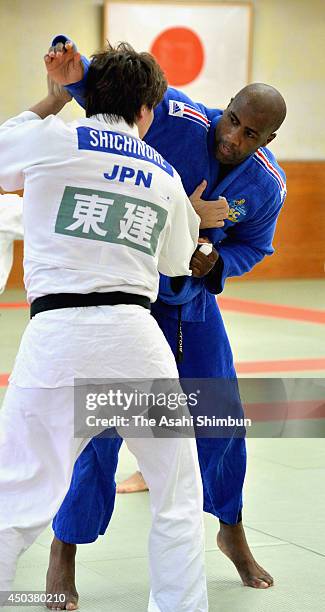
point(120, 81)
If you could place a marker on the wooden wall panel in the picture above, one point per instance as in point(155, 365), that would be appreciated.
point(16, 275)
point(15, 279)
point(300, 235)
point(299, 240)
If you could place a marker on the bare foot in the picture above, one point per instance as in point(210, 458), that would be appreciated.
point(60, 576)
point(232, 542)
point(134, 484)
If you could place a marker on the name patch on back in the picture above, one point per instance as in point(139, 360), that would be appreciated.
point(120, 144)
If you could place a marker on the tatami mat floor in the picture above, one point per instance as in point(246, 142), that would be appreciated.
point(284, 503)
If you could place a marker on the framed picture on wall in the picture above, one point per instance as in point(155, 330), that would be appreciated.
point(204, 47)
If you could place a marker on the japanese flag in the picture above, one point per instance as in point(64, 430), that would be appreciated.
point(204, 50)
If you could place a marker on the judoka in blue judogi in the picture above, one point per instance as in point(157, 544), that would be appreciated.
point(226, 149)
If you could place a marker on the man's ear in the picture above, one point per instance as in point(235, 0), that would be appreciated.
point(142, 112)
point(269, 139)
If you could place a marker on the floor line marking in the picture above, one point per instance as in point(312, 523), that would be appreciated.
point(278, 311)
point(255, 367)
point(290, 410)
point(280, 365)
point(13, 305)
point(4, 380)
point(315, 552)
point(263, 309)
point(267, 411)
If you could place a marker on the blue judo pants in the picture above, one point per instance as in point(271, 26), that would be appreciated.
point(88, 506)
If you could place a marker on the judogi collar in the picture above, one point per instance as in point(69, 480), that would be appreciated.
point(116, 126)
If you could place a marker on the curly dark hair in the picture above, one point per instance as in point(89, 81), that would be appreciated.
point(120, 81)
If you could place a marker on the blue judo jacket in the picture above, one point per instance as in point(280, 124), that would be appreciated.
point(184, 133)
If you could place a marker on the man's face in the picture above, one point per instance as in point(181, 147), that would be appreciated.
point(240, 132)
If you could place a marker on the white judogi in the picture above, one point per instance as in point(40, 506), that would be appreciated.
point(101, 213)
point(11, 228)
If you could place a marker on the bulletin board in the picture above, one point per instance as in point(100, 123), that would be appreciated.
point(205, 48)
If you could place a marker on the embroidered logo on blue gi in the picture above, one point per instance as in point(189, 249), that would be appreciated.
point(110, 217)
point(237, 210)
point(176, 108)
point(186, 111)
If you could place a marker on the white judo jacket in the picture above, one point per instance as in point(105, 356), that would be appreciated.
point(11, 228)
point(103, 211)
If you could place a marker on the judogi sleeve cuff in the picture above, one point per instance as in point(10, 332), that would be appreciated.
point(76, 90)
point(214, 281)
point(179, 290)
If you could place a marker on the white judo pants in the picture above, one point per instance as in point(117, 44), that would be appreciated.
point(38, 451)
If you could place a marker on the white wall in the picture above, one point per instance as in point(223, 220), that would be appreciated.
point(288, 52)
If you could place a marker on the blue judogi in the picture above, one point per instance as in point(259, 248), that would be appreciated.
point(183, 132)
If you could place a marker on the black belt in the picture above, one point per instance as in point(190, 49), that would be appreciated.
point(179, 351)
point(74, 300)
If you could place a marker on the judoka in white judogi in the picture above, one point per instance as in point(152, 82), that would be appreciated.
point(102, 212)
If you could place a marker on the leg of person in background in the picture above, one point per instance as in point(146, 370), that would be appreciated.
point(134, 484)
point(91, 495)
point(207, 354)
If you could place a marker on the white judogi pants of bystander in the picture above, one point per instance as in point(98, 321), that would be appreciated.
point(38, 448)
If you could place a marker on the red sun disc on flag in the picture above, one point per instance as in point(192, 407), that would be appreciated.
point(180, 53)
